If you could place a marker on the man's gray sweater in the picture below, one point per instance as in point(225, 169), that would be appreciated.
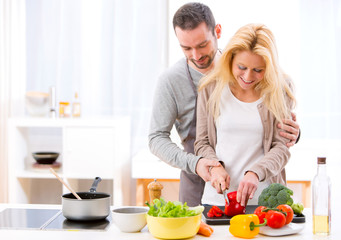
point(174, 103)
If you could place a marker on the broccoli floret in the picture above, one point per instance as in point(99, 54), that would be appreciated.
point(275, 188)
point(263, 198)
point(290, 201)
point(275, 195)
point(272, 202)
point(283, 197)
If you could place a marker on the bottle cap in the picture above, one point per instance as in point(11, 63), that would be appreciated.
point(321, 160)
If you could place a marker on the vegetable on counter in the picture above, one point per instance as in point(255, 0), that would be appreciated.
point(215, 212)
point(205, 229)
point(161, 208)
point(233, 208)
point(289, 212)
point(245, 225)
point(274, 195)
point(275, 219)
point(260, 213)
point(297, 208)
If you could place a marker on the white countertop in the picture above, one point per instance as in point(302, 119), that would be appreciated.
point(220, 232)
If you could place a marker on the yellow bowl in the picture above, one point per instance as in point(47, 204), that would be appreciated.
point(173, 228)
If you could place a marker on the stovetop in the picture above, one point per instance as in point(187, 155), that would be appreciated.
point(46, 219)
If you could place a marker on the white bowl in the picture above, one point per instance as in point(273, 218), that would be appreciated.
point(37, 103)
point(130, 219)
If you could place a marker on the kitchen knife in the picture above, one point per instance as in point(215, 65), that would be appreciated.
point(225, 195)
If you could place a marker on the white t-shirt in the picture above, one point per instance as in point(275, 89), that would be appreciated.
point(239, 144)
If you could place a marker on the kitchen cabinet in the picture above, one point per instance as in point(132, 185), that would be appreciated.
point(88, 148)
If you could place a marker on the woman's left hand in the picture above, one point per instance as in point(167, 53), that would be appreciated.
point(291, 130)
point(247, 188)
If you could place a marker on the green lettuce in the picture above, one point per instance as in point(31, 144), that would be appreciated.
point(161, 208)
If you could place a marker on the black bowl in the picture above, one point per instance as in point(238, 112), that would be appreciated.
point(45, 157)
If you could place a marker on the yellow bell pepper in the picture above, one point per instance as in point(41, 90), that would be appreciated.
point(245, 225)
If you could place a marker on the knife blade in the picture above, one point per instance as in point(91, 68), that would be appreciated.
point(225, 195)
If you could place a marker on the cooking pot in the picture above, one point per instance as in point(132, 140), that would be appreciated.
point(93, 206)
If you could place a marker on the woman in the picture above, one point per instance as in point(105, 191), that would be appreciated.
point(239, 104)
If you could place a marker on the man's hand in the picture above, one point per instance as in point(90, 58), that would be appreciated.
point(291, 130)
point(247, 188)
point(220, 179)
point(203, 168)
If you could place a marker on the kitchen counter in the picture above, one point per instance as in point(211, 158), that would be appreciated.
point(112, 232)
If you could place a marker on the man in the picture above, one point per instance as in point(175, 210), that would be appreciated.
point(175, 101)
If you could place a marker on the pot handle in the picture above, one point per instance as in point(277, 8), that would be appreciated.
point(94, 184)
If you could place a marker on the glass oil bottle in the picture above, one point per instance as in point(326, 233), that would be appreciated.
point(321, 199)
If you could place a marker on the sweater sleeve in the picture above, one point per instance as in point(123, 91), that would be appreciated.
point(164, 114)
point(276, 155)
point(203, 146)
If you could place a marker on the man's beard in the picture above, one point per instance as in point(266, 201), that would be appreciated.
point(208, 63)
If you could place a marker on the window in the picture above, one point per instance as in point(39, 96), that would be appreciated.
point(69, 45)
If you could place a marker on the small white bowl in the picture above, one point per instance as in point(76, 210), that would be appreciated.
point(130, 219)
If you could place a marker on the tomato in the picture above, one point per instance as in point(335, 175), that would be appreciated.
point(275, 219)
point(260, 214)
point(290, 213)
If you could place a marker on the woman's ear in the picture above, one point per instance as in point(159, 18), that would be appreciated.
point(217, 30)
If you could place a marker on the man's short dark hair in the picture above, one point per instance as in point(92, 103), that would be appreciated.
point(190, 15)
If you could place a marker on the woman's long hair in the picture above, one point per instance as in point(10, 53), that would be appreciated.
point(274, 88)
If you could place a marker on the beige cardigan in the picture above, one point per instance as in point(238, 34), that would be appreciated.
point(276, 153)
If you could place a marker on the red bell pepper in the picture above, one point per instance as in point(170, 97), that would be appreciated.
point(234, 208)
point(215, 212)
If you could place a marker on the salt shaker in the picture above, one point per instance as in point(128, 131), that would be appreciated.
point(154, 190)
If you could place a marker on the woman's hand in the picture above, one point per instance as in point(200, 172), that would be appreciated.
point(220, 179)
point(291, 130)
point(247, 188)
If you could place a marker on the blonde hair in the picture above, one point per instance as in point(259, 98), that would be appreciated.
point(274, 87)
